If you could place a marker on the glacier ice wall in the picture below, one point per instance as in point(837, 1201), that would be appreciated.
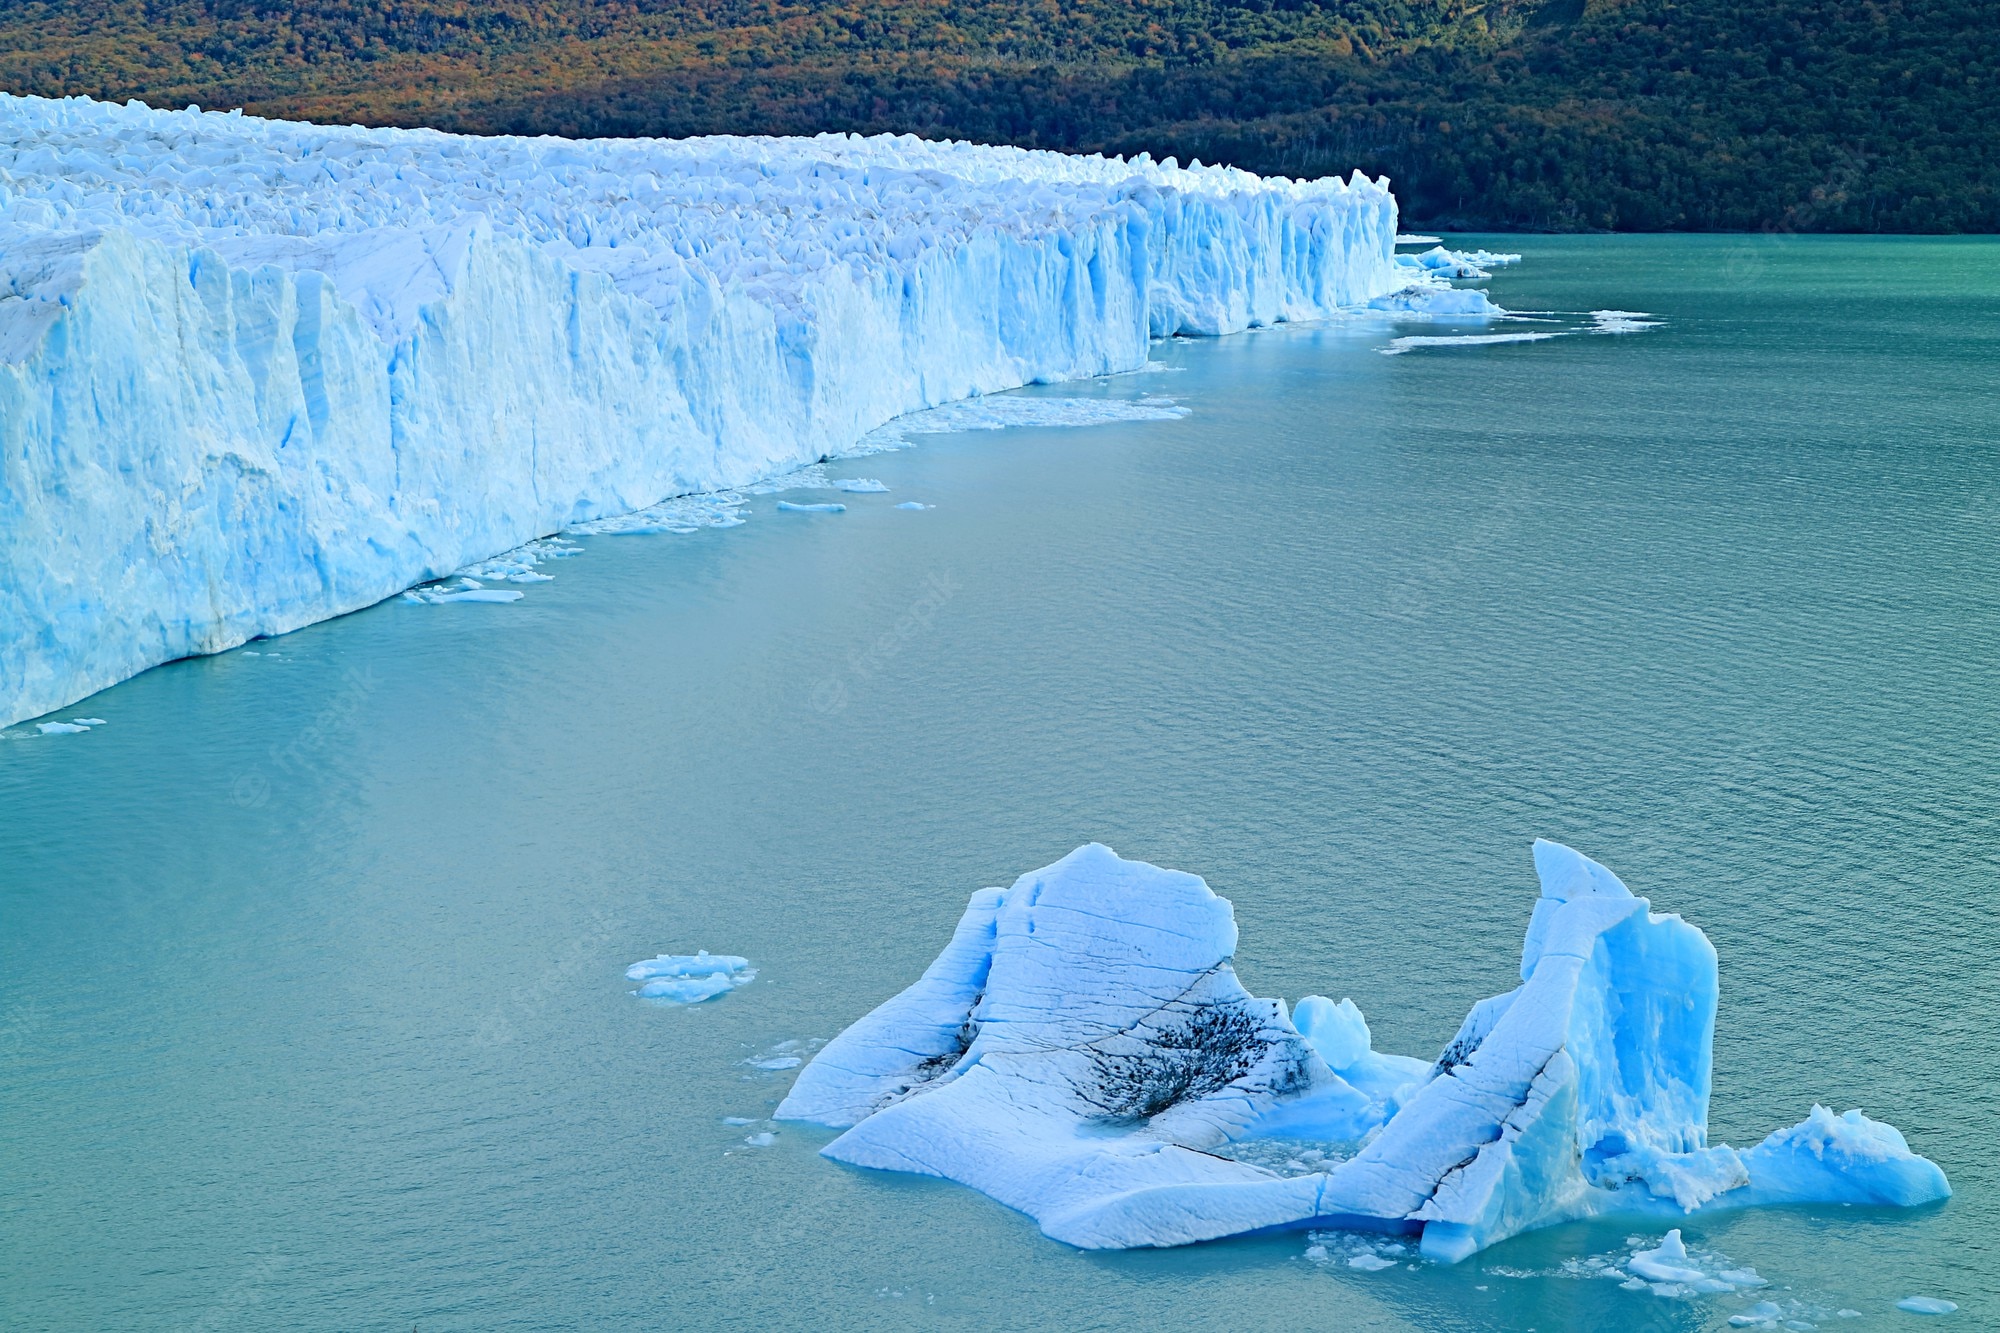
point(254, 374)
point(1082, 1051)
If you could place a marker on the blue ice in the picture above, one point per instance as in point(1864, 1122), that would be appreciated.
point(689, 978)
point(1082, 1050)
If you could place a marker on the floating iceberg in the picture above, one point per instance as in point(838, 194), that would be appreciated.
point(1926, 1305)
point(1456, 263)
point(1083, 1051)
point(1439, 302)
point(254, 374)
point(689, 978)
point(1427, 290)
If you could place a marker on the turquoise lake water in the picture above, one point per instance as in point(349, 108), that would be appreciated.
point(312, 1013)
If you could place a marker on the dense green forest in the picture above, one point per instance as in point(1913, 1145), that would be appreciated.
point(1797, 115)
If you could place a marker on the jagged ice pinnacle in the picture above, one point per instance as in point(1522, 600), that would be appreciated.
point(1083, 1051)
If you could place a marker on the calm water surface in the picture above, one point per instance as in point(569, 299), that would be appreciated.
point(311, 1005)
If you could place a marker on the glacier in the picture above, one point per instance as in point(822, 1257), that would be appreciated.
point(254, 374)
point(1082, 1051)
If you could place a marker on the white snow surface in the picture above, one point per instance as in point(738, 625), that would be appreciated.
point(1083, 1051)
point(254, 373)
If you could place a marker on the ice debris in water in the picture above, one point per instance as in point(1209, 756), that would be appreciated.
point(861, 486)
point(519, 564)
point(1926, 1305)
point(1771, 1316)
point(1671, 1271)
point(271, 372)
point(788, 1054)
point(1622, 321)
point(689, 978)
point(1007, 411)
point(465, 590)
point(790, 508)
point(912, 504)
point(682, 514)
point(1601, 321)
point(1348, 1249)
point(1083, 1051)
point(1439, 302)
point(1456, 263)
point(1400, 345)
point(69, 728)
point(515, 566)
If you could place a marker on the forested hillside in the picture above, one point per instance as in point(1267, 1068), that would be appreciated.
point(1808, 115)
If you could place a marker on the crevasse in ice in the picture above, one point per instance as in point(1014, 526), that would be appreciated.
point(255, 373)
point(1083, 1051)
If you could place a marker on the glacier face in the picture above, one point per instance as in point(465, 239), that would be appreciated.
point(254, 374)
point(1083, 1052)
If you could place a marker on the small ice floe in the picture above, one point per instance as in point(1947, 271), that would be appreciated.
point(1409, 238)
point(788, 1054)
point(251, 652)
point(1399, 346)
point(60, 728)
point(913, 504)
point(1926, 1305)
point(1771, 1315)
point(861, 486)
point(786, 506)
point(1671, 1271)
point(738, 1120)
point(689, 978)
point(1622, 321)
